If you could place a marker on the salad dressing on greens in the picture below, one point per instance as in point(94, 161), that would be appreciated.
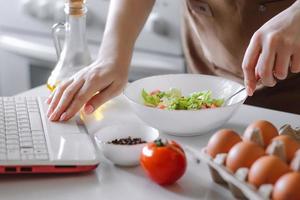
point(174, 100)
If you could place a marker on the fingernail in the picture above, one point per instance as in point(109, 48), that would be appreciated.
point(49, 112)
point(89, 109)
point(63, 117)
point(48, 100)
point(249, 91)
point(52, 117)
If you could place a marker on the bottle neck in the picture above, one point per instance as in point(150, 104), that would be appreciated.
point(76, 31)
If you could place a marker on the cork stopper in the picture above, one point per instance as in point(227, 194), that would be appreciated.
point(76, 1)
point(75, 7)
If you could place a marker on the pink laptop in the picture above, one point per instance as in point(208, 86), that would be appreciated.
point(30, 143)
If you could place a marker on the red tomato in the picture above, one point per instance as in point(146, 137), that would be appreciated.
point(164, 162)
point(161, 106)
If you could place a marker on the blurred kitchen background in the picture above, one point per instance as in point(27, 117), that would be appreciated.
point(27, 54)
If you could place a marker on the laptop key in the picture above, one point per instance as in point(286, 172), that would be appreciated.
point(10, 115)
point(26, 144)
point(24, 125)
point(40, 151)
point(2, 156)
point(12, 147)
point(40, 146)
point(38, 137)
point(26, 151)
point(11, 128)
point(33, 110)
point(13, 155)
point(42, 157)
point(12, 137)
point(22, 117)
point(25, 139)
point(2, 145)
point(24, 129)
point(25, 133)
point(12, 141)
point(20, 102)
point(38, 141)
point(27, 157)
point(38, 133)
point(11, 132)
point(35, 121)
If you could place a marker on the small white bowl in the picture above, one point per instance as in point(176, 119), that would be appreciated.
point(124, 155)
point(185, 122)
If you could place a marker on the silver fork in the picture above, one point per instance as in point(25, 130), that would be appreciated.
point(233, 95)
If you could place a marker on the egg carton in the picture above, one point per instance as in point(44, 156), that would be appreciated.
point(287, 129)
point(237, 182)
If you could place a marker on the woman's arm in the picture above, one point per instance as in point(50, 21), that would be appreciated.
point(274, 49)
point(107, 76)
point(124, 23)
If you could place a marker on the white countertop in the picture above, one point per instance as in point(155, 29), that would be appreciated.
point(111, 182)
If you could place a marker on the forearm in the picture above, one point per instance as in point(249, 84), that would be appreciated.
point(297, 4)
point(124, 23)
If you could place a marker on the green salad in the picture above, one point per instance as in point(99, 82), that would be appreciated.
point(174, 100)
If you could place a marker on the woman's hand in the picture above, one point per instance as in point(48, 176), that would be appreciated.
point(106, 77)
point(90, 87)
point(274, 49)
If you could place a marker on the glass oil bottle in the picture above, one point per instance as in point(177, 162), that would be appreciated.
point(74, 55)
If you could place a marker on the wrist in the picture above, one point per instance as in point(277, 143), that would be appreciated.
point(114, 54)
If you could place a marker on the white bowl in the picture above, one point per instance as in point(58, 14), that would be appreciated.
point(124, 155)
point(185, 122)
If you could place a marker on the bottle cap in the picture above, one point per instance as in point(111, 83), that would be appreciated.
point(75, 7)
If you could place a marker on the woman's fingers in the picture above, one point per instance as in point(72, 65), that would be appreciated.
point(88, 90)
point(266, 61)
point(49, 99)
point(58, 92)
point(249, 63)
point(282, 61)
point(295, 62)
point(265, 67)
point(66, 98)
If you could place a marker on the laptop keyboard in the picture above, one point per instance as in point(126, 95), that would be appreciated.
point(22, 135)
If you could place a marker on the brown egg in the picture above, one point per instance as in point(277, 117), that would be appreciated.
point(287, 187)
point(222, 141)
point(267, 170)
point(267, 129)
point(243, 154)
point(290, 146)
